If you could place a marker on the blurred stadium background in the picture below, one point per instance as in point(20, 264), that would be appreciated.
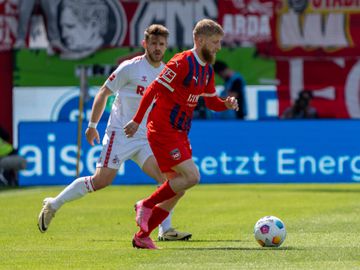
point(279, 46)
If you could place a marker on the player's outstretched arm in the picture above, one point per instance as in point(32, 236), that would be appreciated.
point(98, 108)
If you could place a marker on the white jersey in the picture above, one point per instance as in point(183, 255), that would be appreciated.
point(129, 82)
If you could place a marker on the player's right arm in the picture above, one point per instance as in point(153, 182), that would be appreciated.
point(132, 126)
point(98, 108)
point(166, 81)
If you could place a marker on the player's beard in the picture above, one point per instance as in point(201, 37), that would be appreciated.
point(155, 57)
point(208, 56)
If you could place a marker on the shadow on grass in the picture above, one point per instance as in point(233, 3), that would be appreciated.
point(235, 248)
point(215, 241)
point(184, 241)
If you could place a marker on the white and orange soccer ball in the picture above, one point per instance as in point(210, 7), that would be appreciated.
point(270, 231)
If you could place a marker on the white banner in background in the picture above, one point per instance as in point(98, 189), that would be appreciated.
point(60, 104)
point(48, 104)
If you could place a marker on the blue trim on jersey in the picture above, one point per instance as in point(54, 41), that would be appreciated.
point(202, 76)
point(188, 124)
point(181, 121)
point(197, 66)
point(210, 72)
point(189, 76)
point(174, 113)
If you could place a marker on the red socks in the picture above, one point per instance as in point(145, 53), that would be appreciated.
point(157, 216)
point(163, 193)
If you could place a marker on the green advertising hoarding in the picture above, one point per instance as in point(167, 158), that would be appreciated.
point(36, 68)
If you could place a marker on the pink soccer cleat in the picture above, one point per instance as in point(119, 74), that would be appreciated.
point(143, 215)
point(145, 243)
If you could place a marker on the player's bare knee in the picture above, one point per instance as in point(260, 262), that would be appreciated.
point(193, 178)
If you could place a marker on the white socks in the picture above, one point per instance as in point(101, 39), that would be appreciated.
point(166, 224)
point(83, 185)
point(77, 189)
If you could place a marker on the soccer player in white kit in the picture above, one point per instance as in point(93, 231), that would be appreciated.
point(128, 82)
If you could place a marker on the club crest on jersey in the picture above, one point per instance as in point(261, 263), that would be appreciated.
point(168, 75)
point(116, 160)
point(175, 154)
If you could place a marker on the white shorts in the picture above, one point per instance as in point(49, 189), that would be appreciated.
point(117, 149)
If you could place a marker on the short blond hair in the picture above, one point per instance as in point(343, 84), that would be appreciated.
point(207, 27)
point(156, 30)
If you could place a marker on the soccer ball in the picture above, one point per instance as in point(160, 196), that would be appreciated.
point(270, 231)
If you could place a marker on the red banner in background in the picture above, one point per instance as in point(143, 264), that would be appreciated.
point(335, 85)
point(315, 28)
point(76, 29)
point(246, 22)
point(6, 104)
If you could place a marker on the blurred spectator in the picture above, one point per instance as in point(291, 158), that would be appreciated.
point(10, 162)
point(301, 108)
point(234, 86)
point(50, 8)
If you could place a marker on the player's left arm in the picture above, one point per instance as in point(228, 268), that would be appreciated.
point(218, 104)
point(215, 103)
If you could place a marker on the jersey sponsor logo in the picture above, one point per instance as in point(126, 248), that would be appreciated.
point(175, 154)
point(193, 98)
point(168, 75)
point(140, 90)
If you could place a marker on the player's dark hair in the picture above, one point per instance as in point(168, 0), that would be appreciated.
point(207, 27)
point(156, 30)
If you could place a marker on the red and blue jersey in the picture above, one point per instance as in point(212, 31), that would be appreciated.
point(177, 90)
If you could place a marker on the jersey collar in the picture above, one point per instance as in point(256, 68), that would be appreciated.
point(197, 57)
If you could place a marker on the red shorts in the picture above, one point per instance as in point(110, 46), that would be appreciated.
point(169, 151)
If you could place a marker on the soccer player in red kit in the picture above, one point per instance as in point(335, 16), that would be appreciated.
point(186, 77)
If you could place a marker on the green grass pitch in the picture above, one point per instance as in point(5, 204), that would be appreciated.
point(322, 222)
